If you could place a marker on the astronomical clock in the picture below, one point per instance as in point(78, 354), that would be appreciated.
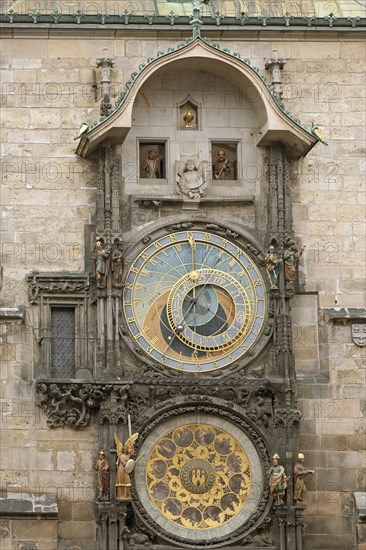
point(194, 301)
point(196, 309)
point(183, 315)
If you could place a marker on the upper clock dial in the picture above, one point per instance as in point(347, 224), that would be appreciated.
point(194, 301)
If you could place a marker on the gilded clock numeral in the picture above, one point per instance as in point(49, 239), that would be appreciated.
point(145, 272)
point(134, 270)
point(131, 320)
point(128, 303)
point(153, 262)
point(173, 238)
point(177, 247)
point(198, 367)
point(157, 245)
point(207, 237)
point(180, 366)
point(232, 262)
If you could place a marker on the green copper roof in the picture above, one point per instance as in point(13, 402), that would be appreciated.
point(229, 8)
point(128, 85)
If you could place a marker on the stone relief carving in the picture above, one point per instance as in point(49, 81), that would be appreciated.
point(286, 417)
point(4, 529)
point(191, 178)
point(56, 284)
point(69, 404)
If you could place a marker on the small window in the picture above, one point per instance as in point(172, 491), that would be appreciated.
point(63, 342)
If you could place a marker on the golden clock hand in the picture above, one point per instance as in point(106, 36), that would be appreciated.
point(192, 244)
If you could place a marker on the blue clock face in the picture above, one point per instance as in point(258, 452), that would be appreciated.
point(194, 301)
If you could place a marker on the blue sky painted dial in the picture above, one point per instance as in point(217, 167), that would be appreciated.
point(194, 301)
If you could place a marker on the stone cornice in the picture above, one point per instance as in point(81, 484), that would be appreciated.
point(151, 23)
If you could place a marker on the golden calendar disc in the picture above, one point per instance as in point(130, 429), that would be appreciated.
point(198, 476)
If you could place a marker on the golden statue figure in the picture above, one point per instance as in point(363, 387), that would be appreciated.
point(125, 465)
point(102, 467)
point(188, 119)
point(300, 474)
point(277, 480)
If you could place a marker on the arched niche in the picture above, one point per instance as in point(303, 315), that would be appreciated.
point(274, 125)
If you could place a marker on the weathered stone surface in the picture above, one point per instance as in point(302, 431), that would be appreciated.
point(78, 530)
point(82, 511)
point(47, 92)
point(334, 442)
point(35, 529)
point(333, 479)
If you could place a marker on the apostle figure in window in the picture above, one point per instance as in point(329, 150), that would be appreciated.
point(222, 167)
point(151, 165)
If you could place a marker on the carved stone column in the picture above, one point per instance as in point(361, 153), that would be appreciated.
point(108, 228)
point(281, 517)
point(287, 416)
point(299, 522)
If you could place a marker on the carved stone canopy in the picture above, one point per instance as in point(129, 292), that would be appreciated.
point(274, 124)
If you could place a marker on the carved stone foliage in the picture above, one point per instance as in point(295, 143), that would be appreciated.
point(72, 404)
point(235, 417)
point(69, 404)
point(286, 417)
point(257, 401)
point(55, 283)
point(123, 401)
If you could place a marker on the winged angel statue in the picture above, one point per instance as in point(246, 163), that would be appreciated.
point(125, 465)
point(191, 179)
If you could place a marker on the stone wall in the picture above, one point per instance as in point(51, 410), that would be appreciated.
point(48, 196)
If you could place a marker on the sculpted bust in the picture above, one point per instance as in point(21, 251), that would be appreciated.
point(191, 179)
